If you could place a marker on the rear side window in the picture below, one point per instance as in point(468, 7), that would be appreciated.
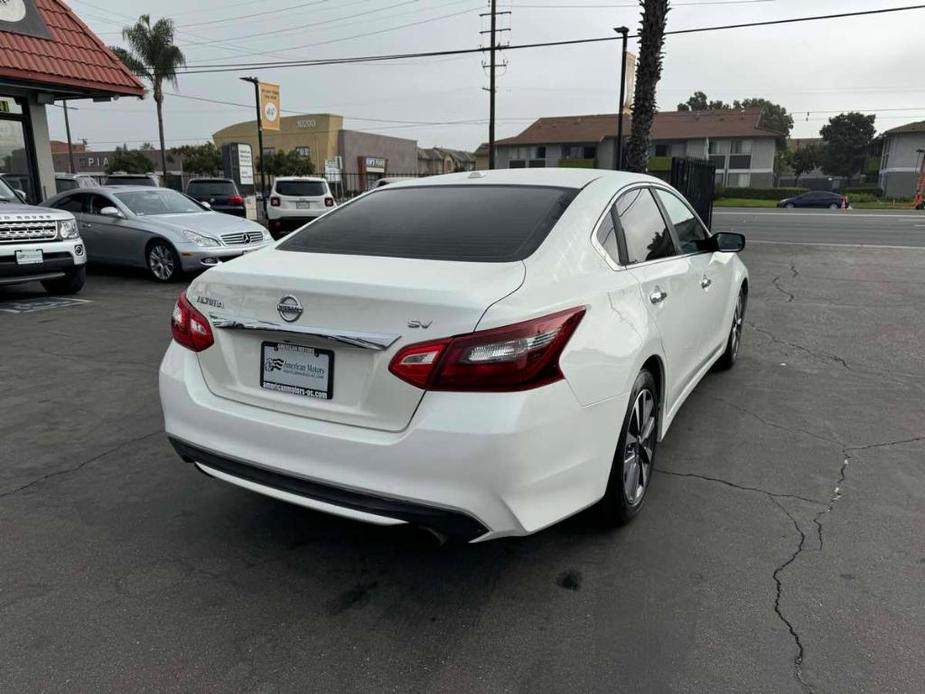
point(212, 188)
point(63, 184)
point(644, 229)
point(473, 223)
point(301, 188)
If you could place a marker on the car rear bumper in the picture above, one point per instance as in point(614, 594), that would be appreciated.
point(58, 258)
point(473, 465)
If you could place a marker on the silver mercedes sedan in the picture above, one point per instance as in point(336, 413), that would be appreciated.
point(157, 228)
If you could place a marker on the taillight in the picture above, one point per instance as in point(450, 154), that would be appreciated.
point(190, 328)
point(515, 357)
point(329, 202)
point(236, 200)
point(274, 201)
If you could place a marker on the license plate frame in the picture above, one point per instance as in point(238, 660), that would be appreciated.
point(30, 256)
point(303, 205)
point(301, 355)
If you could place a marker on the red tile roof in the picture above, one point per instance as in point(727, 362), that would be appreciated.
point(73, 57)
point(668, 125)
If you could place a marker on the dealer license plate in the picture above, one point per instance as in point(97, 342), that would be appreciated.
point(29, 256)
point(297, 370)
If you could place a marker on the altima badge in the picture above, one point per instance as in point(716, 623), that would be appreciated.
point(289, 308)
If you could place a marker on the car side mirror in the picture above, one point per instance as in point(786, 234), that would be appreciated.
point(728, 242)
point(21, 194)
point(110, 211)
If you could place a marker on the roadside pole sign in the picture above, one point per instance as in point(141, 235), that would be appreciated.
point(245, 164)
point(269, 106)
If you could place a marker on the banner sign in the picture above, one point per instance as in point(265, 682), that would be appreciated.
point(245, 165)
point(269, 106)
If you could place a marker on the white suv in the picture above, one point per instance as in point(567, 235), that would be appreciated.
point(39, 244)
point(295, 201)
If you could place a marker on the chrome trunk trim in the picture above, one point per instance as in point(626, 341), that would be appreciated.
point(374, 341)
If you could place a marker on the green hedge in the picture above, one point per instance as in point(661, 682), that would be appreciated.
point(863, 190)
point(759, 193)
point(861, 197)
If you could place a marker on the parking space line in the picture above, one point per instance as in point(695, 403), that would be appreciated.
point(749, 242)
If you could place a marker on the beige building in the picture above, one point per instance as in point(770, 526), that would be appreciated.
point(313, 135)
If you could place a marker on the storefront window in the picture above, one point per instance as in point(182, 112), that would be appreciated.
point(15, 156)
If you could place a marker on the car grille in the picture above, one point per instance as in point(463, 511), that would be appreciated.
point(17, 230)
point(242, 237)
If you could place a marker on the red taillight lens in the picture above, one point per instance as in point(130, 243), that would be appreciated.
point(190, 328)
point(515, 357)
point(274, 201)
point(236, 200)
point(329, 202)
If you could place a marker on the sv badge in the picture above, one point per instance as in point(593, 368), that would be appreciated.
point(423, 324)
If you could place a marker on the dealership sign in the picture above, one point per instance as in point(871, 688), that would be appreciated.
point(245, 165)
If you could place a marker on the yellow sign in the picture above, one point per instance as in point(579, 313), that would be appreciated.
point(269, 106)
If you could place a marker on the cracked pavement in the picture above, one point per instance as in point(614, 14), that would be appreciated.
point(782, 547)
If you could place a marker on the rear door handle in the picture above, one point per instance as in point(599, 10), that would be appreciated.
point(658, 296)
point(706, 282)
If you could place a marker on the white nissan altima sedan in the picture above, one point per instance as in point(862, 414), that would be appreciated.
point(482, 354)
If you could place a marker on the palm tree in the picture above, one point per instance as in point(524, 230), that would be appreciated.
point(153, 56)
point(648, 72)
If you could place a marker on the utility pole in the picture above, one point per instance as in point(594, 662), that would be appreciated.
point(263, 180)
point(70, 149)
point(492, 69)
point(618, 161)
point(491, 87)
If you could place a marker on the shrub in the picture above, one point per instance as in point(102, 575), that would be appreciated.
point(759, 193)
point(860, 197)
point(863, 190)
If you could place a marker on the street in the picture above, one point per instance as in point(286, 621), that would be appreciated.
point(781, 549)
point(899, 228)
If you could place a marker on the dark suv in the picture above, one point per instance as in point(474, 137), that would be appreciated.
point(221, 194)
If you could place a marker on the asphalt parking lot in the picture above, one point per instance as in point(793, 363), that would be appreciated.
point(782, 547)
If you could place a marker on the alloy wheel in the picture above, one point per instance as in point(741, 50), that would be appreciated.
point(735, 336)
point(160, 260)
point(639, 448)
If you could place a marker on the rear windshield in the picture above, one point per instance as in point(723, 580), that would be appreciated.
point(211, 188)
point(491, 224)
point(63, 184)
point(304, 188)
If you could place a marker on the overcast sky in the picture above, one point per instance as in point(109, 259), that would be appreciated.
point(814, 69)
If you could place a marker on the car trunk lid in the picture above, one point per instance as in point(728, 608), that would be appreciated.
point(357, 312)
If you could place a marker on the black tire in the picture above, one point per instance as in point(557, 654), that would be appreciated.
point(627, 492)
point(163, 261)
point(834, 206)
point(734, 340)
point(71, 283)
point(789, 206)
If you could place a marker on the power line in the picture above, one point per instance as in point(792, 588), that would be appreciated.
point(617, 6)
point(229, 67)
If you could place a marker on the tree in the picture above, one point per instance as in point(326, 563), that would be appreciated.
point(128, 160)
point(648, 72)
point(773, 116)
point(291, 163)
point(153, 56)
point(805, 159)
point(201, 159)
point(699, 102)
point(847, 138)
point(783, 162)
point(146, 147)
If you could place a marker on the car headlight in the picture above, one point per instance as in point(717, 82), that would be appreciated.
point(67, 229)
point(200, 240)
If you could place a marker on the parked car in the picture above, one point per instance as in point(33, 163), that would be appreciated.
point(38, 244)
point(482, 354)
point(295, 201)
point(160, 229)
point(220, 193)
point(126, 179)
point(816, 198)
point(65, 182)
